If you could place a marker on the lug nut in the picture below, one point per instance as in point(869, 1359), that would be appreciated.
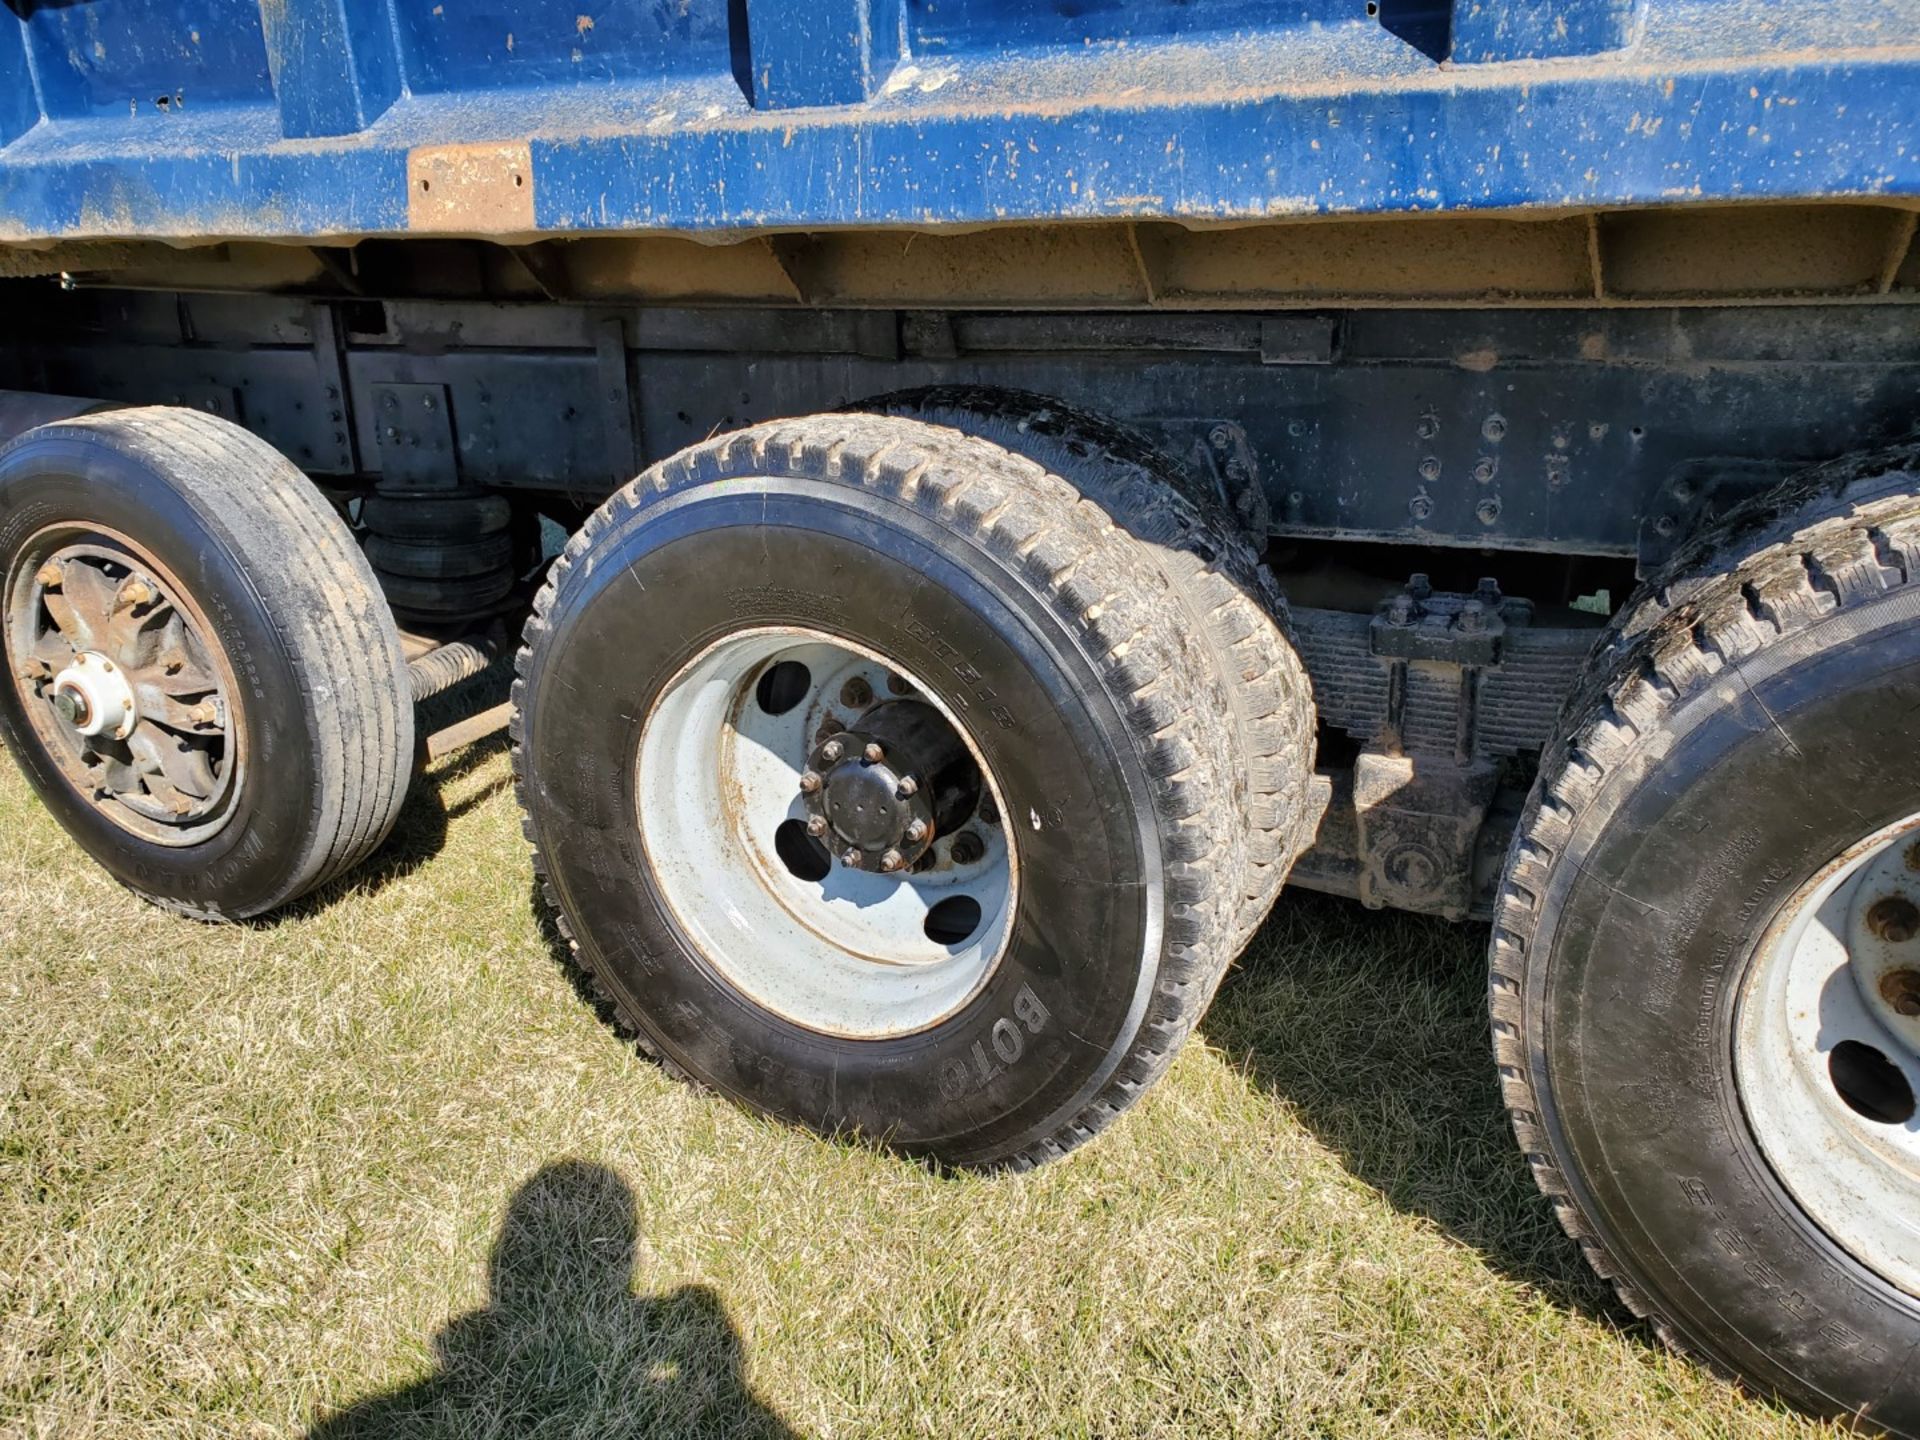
point(137, 592)
point(851, 859)
point(891, 861)
point(48, 576)
point(809, 782)
point(857, 693)
point(874, 753)
point(1901, 990)
point(917, 831)
point(967, 848)
point(1894, 918)
point(907, 789)
point(207, 712)
point(831, 751)
point(816, 826)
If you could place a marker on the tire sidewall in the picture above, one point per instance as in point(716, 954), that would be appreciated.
point(259, 853)
point(1672, 875)
point(1069, 994)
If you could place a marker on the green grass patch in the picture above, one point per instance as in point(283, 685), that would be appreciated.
point(375, 1169)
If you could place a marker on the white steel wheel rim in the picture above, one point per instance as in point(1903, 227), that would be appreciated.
point(852, 953)
point(1827, 1059)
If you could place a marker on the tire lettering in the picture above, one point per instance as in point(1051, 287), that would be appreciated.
point(985, 1071)
point(1032, 1013)
point(963, 671)
point(953, 1079)
point(1008, 1044)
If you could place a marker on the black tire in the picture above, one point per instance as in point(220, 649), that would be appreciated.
point(441, 559)
point(1744, 720)
point(328, 719)
point(977, 568)
point(1229, 599)
point(436, 517)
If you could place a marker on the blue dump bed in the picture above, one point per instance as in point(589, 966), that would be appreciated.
point(344, 119)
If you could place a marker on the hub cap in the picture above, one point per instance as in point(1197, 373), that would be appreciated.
point(123, 683)
point(826, 833)
point(1827, 1051)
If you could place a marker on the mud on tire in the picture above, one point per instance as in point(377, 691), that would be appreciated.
point(1054, 632)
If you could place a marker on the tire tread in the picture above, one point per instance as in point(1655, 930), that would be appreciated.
point(1770, 570)
point(1099, 581)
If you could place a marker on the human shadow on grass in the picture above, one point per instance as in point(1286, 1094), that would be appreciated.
point(1371, 1027)
point(563, 1346)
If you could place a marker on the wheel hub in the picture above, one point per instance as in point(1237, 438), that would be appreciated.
point(870, 814)
point(877, 796)
point(92, 695)
point(824, 831)
point(125, 683)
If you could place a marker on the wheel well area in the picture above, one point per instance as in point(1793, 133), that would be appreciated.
point(1452, 500)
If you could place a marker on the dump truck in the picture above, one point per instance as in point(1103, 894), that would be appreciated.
point(985, 496)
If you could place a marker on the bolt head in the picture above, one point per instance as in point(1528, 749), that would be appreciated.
point(1901, 990)
point(48, 576)
point(917, 831)
point(809, 782)
point(891, 861)
point(907, 789)
point(856, 693)
point(1895, 919)
point(831, 751)
point(816, 826)
point(966, 848)
point(874, 753)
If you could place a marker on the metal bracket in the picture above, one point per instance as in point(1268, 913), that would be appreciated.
point(415, 428)
point(1697, 493)
point(1219, 452)
point(624, 460)
point(1417, 818)
point(328, 361)
point(1465, 630)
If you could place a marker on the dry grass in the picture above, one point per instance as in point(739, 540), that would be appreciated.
point(377, 1162)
